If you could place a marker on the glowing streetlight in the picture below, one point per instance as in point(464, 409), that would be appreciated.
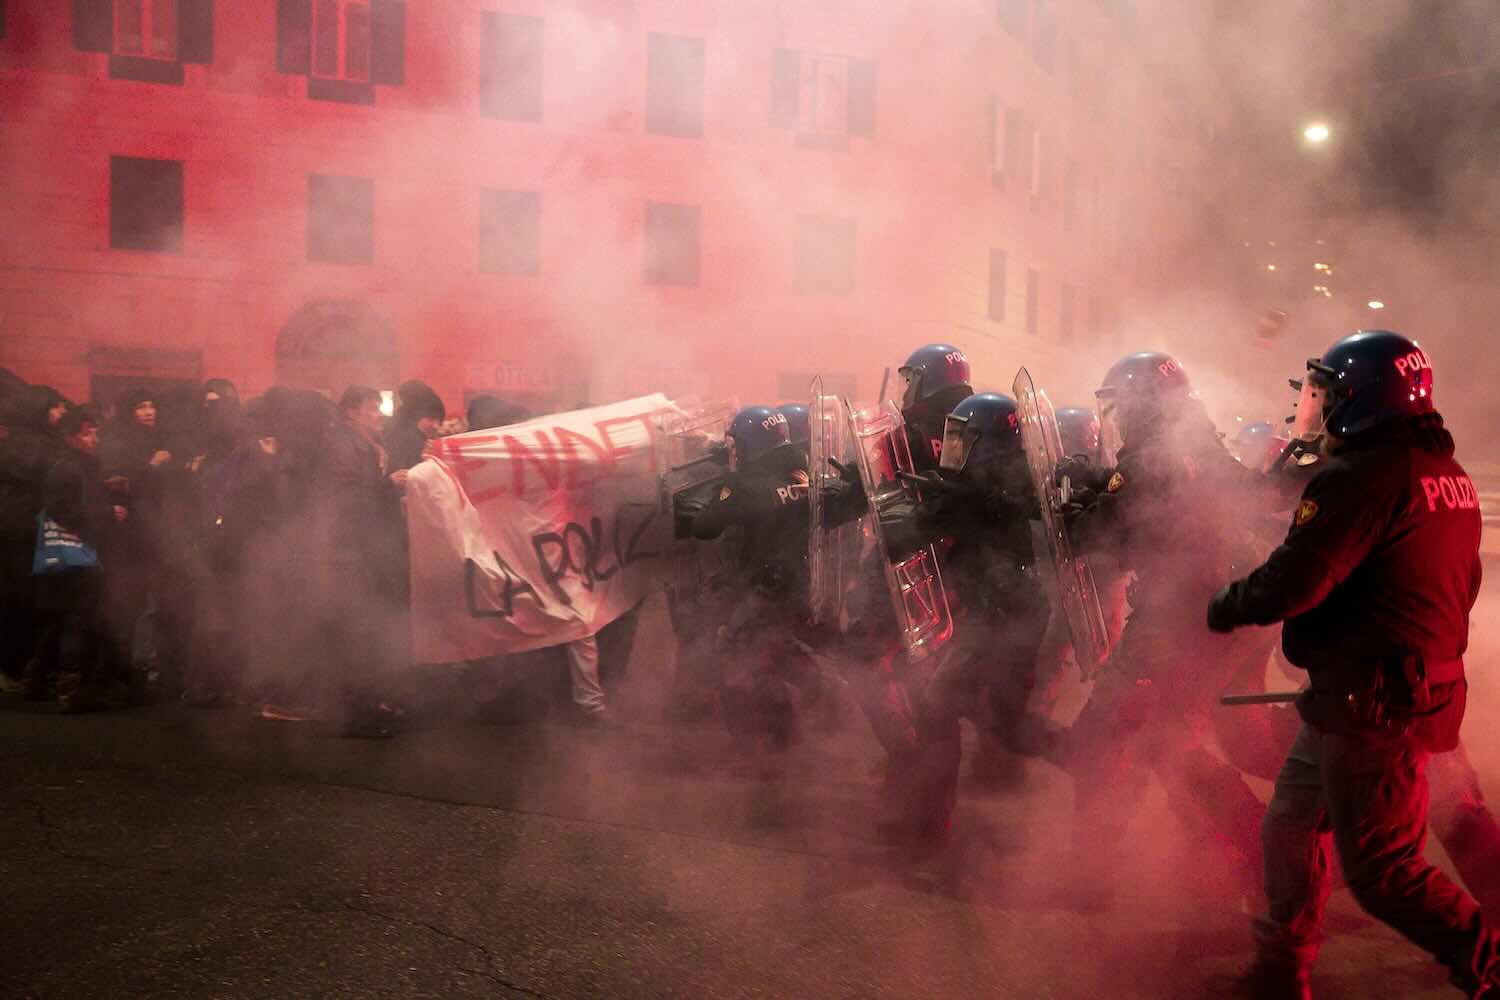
point(1270, 267)
point(1316, 133)
point(1375, 304)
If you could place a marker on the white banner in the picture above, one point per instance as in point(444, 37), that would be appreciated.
point(538, 533)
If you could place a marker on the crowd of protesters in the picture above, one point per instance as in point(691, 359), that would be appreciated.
point(250, 552)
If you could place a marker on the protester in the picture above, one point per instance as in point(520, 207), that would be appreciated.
point(74, 498)
point(419, 414)
point(29, 416)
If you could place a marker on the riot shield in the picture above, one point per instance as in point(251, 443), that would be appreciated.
point(692, 471)
point(833, 553)
point(1075, 580)
point(914, 579)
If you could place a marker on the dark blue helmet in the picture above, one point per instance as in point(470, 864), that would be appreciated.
point(1148, 375)
point(985, 425)
point(930, 370)
point(1369, 378)
point(757, 431)
point(1256, 444)
point(797, 421)
point(1079, 429)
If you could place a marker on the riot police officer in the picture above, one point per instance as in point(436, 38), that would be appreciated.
point(761, 509)
point(935, 379)
point(1374, 583)
point(1079, 428)
point(1163, 503)
point(976, 506)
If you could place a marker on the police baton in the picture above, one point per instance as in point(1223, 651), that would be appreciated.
point(1266, 698)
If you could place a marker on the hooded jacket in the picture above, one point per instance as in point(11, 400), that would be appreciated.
point(403, 439)
point(27, 452)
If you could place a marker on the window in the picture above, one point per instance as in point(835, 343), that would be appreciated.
point(674, 85)
point(341, 40)
point(1017, 151)
point(672, 243)
point(1044, 35)
point(340, 219)
point(1033, 301)
point(1069, 193)
point(1041, 168)
point(996, 309)
point(1065, 313)
point(825, 254)
point(1012, 15)
point(343, 47)
point(510, 69)
point(510, 224)
point(146, 40)
point(146, 28)
point(823, 98)
point(145, 204)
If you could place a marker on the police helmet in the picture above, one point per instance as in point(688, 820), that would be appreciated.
point(1369, 378)
point(931, 369)
point(797, 422)
point(756, 431)
point(1256, 444)
point(1079, 429)
point(1147, 375)
point(985, 423)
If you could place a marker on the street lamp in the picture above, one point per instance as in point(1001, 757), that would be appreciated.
point(1316, 133)
point(1375, 304)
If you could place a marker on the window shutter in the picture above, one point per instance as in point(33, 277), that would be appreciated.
point(195, 31)
point(862, 97)
point(786, 85)
point(94, 25)
point(294, 36)
point(388, 42)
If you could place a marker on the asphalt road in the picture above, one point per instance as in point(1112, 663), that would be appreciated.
point(175, 852)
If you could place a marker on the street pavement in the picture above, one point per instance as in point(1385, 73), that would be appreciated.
point(172, 852)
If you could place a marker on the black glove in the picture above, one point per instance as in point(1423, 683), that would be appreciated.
point(930, 480)
point(1221, 617)
point(1075, 468)
point(848, 473)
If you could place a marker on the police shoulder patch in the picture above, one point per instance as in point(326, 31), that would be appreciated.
point(724, 492)
point(1306, 511)
point(1115, 484)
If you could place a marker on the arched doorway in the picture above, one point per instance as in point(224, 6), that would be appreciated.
point(330, 344)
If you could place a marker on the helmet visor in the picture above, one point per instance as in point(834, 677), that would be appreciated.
point(956, 444)
point(1111, 429)
point(1310, 419)
point(911, 384)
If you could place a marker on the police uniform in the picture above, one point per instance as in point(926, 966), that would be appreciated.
point(1174, 510)
point(978, 517)
point(761, 511)
point(1374, 583)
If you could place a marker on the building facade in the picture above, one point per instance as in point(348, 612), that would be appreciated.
point(578, 200)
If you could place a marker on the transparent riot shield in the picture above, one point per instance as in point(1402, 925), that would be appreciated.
point(915, 578)
point(1075, 580)
point(693, 469)
point(834, 553)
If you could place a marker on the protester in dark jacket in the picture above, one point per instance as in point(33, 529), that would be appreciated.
point(75, 497)
point(132, 449)
point(28, 446)
point(419, 413)
point(363, 627)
